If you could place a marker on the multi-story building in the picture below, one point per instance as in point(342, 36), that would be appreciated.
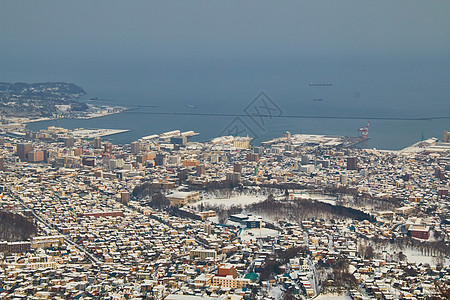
point(203, 254)
point(23, 149)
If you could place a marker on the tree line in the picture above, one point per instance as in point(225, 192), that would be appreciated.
point(15, 227)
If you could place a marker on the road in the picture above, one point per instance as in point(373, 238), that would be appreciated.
point(91, 257)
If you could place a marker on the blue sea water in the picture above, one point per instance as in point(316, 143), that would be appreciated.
point(362, 90)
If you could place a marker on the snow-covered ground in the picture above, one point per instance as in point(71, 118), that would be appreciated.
point(276, 292)
point(332, 297)
point(419, 146)
point(250, 234)
point(234, 200)
point(318, 197)
point(415, 256)
point(250, 199)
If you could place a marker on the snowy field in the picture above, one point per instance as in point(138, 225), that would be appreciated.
point(333, 297)
point(234, 200)
point(415, 256)
point(251, 234)
point(244, 200)
point(318, 197)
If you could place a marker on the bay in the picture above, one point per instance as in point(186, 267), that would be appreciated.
point(402, 98)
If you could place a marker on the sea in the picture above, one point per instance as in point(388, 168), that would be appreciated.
point(403, 99)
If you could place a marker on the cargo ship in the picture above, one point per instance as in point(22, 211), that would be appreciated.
point(320, 84)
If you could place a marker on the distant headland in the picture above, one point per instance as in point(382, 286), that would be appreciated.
point(21, 103)
point(45, 99)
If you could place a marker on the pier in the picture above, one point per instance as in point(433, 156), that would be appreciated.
point(93, 133)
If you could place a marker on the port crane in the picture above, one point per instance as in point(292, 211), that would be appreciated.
point(364, 132)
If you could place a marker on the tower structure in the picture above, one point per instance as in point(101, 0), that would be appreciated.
point(364, 132)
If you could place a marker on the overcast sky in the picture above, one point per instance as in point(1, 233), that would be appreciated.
point(71, 30)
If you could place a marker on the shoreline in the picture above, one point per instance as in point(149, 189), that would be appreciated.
point(72, 118)
point(25, 122)
point(96, 132)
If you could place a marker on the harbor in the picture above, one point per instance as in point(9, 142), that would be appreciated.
point(93, 133)
point(170, 134)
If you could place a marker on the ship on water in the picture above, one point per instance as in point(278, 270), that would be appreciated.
point(320, 84)
point(318, 99)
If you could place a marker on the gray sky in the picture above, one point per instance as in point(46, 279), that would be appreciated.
point(88, 30)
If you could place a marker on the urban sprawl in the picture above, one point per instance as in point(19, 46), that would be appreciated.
point(298, 217)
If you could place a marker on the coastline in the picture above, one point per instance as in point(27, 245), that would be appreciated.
point(88, 117)
point(141, 125)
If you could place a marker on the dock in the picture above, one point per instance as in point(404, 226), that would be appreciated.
point(93, 133)
point(167, 135)
point(349, 142)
